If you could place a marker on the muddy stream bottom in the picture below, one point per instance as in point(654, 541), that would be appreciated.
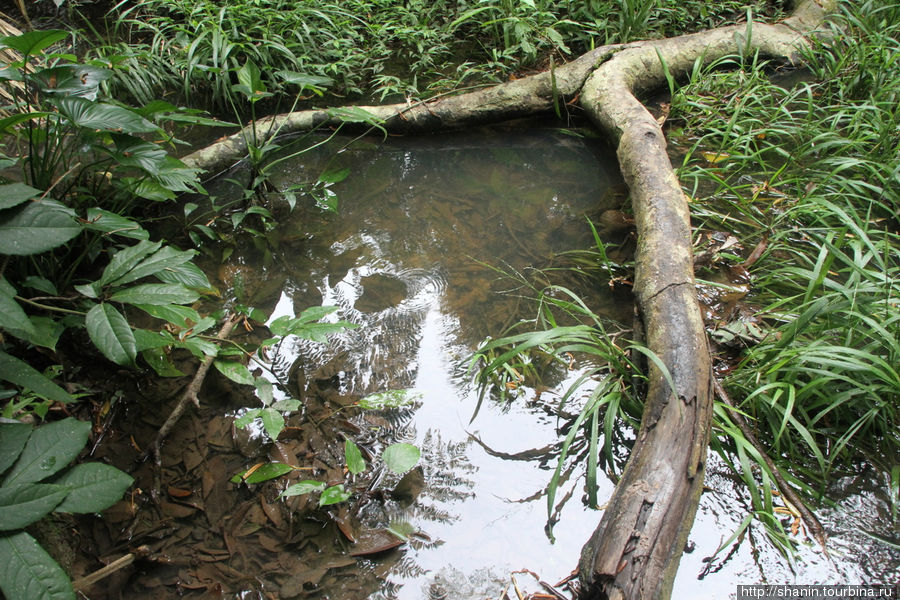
point(413, 258)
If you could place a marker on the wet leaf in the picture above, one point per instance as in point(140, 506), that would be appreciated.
point(262, 473)
point(334, 495)
point(400, 458)
point(12, 439)
point(354, 458)
point(304, 487)
point(92, 487)
point(21, 505)
point(36, 227)
point(375, 541)
point(22, 374)
point(156, 293)
point(49, 449)
point(14, 194)
point(235, 371)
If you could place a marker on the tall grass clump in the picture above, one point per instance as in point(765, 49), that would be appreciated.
point(807, 176)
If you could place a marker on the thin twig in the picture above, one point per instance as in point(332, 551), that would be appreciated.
point(787, 491)
point(83, 583)
point(190, 395)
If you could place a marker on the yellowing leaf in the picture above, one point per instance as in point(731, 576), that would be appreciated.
point(715, 158)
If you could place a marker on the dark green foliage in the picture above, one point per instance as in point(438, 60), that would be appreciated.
point(35, 482)
point(377, 47)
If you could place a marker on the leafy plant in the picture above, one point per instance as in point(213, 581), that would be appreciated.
point(36, 482)
point(75, 258)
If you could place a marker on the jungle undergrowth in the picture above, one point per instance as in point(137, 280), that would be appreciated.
point(383, 49)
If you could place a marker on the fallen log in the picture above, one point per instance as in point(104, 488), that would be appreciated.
point(635, 551)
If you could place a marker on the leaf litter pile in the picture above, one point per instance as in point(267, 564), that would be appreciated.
point(213, 528)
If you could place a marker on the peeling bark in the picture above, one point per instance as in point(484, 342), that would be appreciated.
point(635, 550)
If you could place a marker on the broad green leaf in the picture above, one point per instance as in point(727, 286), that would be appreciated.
point(14, 194)
point(23, 504)
point(354, 114)
point(111, 333)
point(25, 376)
point(49, 449)
point(111, 223)
point(306, 82)
point(190, 275)
point(142, 187)
point(12, 316)
point(126, 259)
point(164, 258)
point(160, 362)
point(264, 473)
point(289, 405)
point(304, 487)
point(250, 82)
point(27, 572)
point(334, 176)
point(176, 176)
point(235, 371)
point(12, 439)
point(273, 422)
point(32, 42)
point(8, 123)
point(90, 290)
point(46, 332)
point(354, 458)
point(36, 227)
point(106, 117)
point(247, 418)
point(333, 495)
point(198, 347)
point(131, 151)
point(182, 316)
point(92, 487)
point(40, 284)
point(264, 391)
point(400, 458)
point(146, 339)
point(156, 293)
point(70, 80)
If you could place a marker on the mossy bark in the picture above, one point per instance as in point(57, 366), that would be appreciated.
point(635, 550)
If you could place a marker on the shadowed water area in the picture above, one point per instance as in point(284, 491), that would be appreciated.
point(411, 257)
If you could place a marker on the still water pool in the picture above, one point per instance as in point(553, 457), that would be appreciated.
point(419, 255)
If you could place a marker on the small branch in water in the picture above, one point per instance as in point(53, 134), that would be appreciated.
point(812, 523)
point(87, 581)
point(190, 395)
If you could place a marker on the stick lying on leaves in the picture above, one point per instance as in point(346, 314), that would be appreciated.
point(189, 396)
